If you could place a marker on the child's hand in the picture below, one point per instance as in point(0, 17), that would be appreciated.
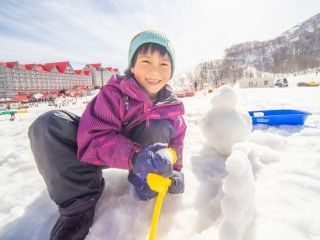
point(141, 187)
point(177, 185)
point(148, 161)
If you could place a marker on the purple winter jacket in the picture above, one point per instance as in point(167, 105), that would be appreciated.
point(108, 118)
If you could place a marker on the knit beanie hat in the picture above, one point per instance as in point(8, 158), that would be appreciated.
point(151, 36)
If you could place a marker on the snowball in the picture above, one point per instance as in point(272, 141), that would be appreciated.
point(237, 163)
point(241, 147)
point(233, 185)
point(224, 98)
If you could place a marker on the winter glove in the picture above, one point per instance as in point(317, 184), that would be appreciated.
point(177, 185)
point(142, 188)
point(156, 158)
point(149, 161)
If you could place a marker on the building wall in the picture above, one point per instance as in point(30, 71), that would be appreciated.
point(106, 76)
point(256, 82)
point(14, 81)
point(94, 73)
point(99, 76)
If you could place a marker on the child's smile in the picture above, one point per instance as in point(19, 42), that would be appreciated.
point(153, 81)
point(152, 71)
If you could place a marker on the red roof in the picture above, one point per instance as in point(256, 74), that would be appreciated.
point(30, 66)
point(59, 66)
point(111, 69)
point(48, 67)
point(95, 65)
point(12, 64)
point(86, 72)
point(40, 68)
point(82, 72)
point(62, 66)
point(23, 67)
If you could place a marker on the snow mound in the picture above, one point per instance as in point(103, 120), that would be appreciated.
point(237, 205)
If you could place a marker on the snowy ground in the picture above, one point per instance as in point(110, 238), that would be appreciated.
point(284, 162)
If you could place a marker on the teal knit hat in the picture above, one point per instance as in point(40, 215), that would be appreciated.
point(151, 36)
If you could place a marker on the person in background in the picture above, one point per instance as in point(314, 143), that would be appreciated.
point(12, 116)
point(195, 84)
point(124, 126)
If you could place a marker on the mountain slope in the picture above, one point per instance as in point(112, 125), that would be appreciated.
point(294, 50)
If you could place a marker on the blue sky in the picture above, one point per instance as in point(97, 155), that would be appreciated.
point(35, 31)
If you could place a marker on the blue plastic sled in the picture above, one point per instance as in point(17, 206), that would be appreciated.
point(279, 117)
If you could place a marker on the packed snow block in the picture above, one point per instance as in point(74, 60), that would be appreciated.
point(229, 231)
point(237, 205)
point(232, 208)
point(225, 124)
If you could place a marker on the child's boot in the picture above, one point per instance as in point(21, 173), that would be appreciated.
point(72, 227)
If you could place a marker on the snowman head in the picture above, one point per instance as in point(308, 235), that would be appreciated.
point(224, 98)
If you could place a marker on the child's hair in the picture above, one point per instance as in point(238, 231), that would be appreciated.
point(143, 49)
point(153, 40)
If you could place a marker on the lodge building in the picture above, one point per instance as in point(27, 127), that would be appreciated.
point(16, 78)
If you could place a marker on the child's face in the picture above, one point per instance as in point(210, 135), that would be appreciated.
point(152, 71)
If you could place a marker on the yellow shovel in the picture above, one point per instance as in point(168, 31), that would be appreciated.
point(160, 185)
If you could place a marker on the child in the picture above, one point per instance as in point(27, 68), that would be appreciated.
point(123, 127)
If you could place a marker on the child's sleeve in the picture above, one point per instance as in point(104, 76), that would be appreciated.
point(177, 141)
point(99, 137)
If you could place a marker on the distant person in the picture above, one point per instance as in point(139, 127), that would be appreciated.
point(195, 84)
point(12, 116)
point(122, 127)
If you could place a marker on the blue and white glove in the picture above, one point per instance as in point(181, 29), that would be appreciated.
point(153, 159)
point(177, 185)
point(148, 161)
point(144, 192)
point(141, 187)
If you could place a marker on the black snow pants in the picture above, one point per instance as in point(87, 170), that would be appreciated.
point(73, 185)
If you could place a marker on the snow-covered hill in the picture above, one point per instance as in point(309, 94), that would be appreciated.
point(307, 26)
point(295, 50)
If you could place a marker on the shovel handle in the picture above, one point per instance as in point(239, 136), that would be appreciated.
point(156, 215)
point(159, 184)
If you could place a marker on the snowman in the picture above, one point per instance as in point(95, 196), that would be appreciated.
point(226, 129)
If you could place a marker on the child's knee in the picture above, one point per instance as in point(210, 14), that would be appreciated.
point(40, 124)
point(162, 128)
point(54, 120)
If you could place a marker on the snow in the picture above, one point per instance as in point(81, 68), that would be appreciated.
point(267, 188)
